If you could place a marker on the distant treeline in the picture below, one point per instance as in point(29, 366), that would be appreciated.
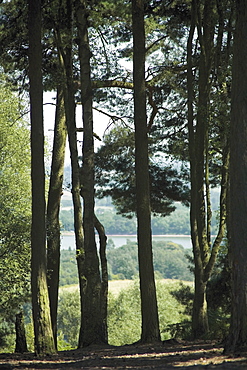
point(170, 262)
point(178, 223)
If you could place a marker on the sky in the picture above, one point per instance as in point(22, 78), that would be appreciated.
point(100, 122)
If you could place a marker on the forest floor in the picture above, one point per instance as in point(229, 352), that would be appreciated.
point(168, 355)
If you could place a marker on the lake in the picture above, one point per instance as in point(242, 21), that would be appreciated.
point(119, 240)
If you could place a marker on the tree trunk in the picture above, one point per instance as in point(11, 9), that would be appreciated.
point(200, 315)
point(92, 328)
point(21, 342)
point(66, 67)
point(199, 323)
point(104, 274)
point(200, 209)
point(150, 321)
point(238, 184)
point(53, 208)
point(44, 342)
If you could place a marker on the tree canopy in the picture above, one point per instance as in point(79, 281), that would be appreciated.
point(161, 71)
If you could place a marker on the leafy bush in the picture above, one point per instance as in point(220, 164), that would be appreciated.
point(7, 336)
point(219, 296)
point(68, 268)
point(184, 295)
point(15, 214)
point(124, 315)
point(68, 320)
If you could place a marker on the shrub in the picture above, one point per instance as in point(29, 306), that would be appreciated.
point(124, 314)
point(68, 320)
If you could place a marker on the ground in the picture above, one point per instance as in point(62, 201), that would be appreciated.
point(168, 355)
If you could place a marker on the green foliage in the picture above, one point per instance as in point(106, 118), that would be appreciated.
point(219, 285)
point(67, 219)
point(68, 318)
point(7, 336)
point(177, 223)
point(68, 268)
point(115, 176)
point(30, 336)
point(172, 313)
point(115, 224)
point(123, 261)
point(170, 262)
point(124, 314)
point(15, 205)
point(218, 298)
point(184, 295)
point(219, 295)
point(219, 324)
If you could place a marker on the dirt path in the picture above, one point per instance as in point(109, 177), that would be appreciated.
point(200, 355)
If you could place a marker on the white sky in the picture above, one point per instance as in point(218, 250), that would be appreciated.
point(100, 122)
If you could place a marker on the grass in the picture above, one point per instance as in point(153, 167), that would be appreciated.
point(116, 286)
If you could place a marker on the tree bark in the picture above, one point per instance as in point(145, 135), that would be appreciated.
point(93, 329)
point(66, 63)
point(104, 274)
point(44, 342)
point(150, 321)
point(237, 339)
point(53, 208)
point(200, 209)
point(21, 342)
point(66, 67)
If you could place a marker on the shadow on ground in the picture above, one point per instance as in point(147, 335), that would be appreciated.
point(181, 355)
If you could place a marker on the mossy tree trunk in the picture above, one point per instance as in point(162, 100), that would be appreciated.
point(44, 342)
point(237, 339)
point(93, 325)
point(104, 274)
point(199, 130)
point(53, 207)
point(150, 321)
point(65, 55)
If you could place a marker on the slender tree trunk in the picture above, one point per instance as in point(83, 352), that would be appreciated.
point(66, 66)
point(237, 339)
point(93, 329)
point(200, 210)
point(104, 274)
point(21, 342)
point(53, 208)
point(149, 310)
point(201, 247)
point(44, 342)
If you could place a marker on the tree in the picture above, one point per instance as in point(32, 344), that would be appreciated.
point(44, 341)
point(15, 205)
point(149, 308)
point(165, 91)
point(53, 207)
point(93, 324)
point(237, 338)
point(201, 141)
point(115, 175)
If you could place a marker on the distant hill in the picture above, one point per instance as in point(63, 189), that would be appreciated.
point(170, 262)
point(178, 223)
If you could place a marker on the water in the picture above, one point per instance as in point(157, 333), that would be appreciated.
point(68, 241)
